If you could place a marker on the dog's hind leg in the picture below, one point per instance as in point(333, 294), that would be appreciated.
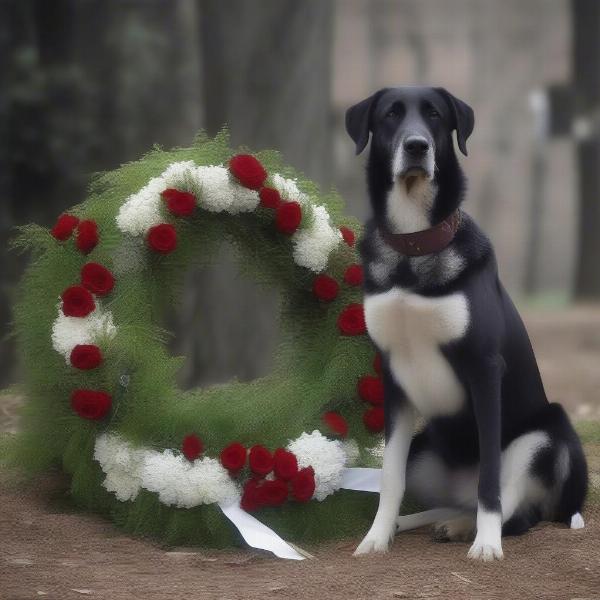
point(519, 488)
point(428, 517)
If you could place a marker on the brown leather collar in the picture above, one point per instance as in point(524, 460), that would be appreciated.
point(428, 241)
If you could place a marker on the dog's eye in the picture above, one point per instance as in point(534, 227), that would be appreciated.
point(392, 113)
point(433, 114)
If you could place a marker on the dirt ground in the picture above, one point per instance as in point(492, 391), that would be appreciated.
point(47, 550)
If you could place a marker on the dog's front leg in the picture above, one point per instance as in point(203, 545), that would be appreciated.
point(485, 388)
point(399, 427)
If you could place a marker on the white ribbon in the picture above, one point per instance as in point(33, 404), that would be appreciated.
point(258, 535)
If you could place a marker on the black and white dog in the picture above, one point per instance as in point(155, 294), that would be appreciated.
point(494, 457)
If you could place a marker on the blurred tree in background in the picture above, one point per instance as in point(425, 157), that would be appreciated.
point(90, 84)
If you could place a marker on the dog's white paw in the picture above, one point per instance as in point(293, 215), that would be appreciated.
point(485, 551)
point(374, 543)
point(461, 529)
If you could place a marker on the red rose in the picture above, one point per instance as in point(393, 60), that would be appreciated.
point(181, 204)
point(269, 197)
point(86, 356)
point(90, 404)
point(64, 227)
point(87, 236)
point(248, 171)
point(348, 235)
point(260, 460)
point(288, 217)
point(77, 302)
point(373, 419)
point(251, 499)
point(377, 363)
point(233, 457)
point(370, 389)
point(352, 320)
point(192, 446)
point(303, 485)
point(336, 423)
point(354, 275)
point(285, 465)
point(162, 238)
point(325, 288)
point(97, 279)
point(272, 492)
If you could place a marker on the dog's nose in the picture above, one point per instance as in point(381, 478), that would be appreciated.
point(416, 145)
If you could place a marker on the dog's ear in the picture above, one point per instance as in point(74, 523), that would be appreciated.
point(358, 121)
point(464, 118)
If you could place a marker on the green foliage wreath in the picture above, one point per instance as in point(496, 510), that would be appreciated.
point(102, 399)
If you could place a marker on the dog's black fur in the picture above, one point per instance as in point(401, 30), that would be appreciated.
point(494, 360)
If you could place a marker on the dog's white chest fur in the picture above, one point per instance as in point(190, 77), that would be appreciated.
point(411, 328)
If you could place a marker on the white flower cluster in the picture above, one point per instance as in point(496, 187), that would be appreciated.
point(313, 245)
point(68, 332)
point(215, 189)
point(327, 457)
point(288, 189)
point(176, 480)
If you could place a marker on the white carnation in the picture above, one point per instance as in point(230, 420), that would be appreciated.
point(327, 458)
point(219, 193)
point(176, 480)
point(181, 483)
point(313, 245)
point(288, 189)
point(178, 174)
point(67, 332)
point(142, 210)
point(121, 464)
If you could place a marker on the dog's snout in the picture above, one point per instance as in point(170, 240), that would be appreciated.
point(416, 145)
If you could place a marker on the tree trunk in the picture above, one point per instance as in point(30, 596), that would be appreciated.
point(267, 77)
point(586, 53)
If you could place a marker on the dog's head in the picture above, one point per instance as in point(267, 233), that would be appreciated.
point(411, 130)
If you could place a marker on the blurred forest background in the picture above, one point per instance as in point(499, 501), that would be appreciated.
point(86, 85)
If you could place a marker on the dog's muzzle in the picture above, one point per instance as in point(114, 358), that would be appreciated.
point(414, 157)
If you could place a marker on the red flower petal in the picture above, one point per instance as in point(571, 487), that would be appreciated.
point(97, 279)
point(325, 288)
point(285, 464)
point(233, 457)
point(192, 446)
point(288, 217)
point(248, 171)
point(87, 236)
point(336, 423)
point(181, 204)
point(162, 238)
point(64, 227)
point(352, 320)
point(77, 302)
point(354, 275)
point(251, 499)
point(260, 460)
point(91, 404)
point(303, 485)
point(272, 492)
point(370, 389)
point(374, 419)
point(86, 356)
point(348, 235)
point(269, 197)
point(377, 363)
